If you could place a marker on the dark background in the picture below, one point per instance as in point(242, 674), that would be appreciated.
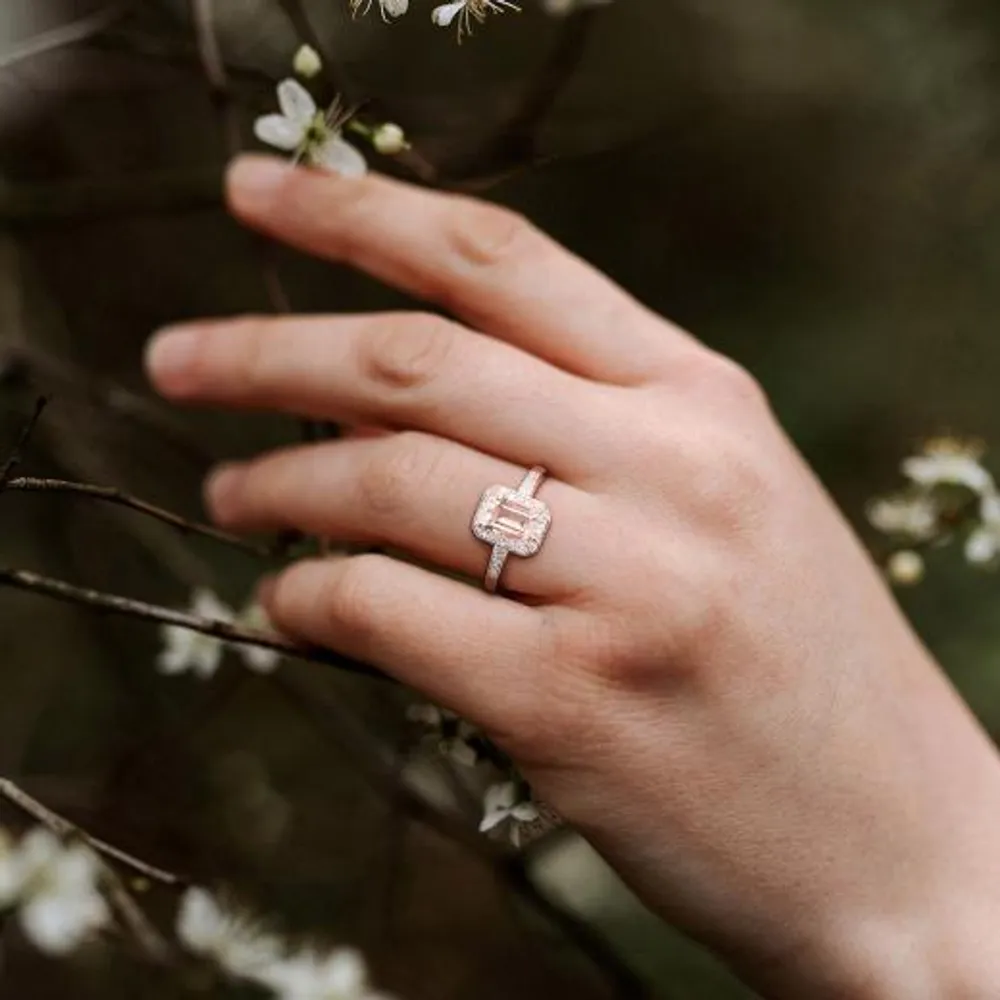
point(808, 185)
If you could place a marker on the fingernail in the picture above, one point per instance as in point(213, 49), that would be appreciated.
point(169, 355)
point(221, 488)
point(253, 180)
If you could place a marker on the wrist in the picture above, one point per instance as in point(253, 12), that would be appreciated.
point(938, 954)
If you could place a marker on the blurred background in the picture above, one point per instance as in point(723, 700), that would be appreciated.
point(808, 185)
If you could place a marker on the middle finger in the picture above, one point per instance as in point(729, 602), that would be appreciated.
point(398, 370)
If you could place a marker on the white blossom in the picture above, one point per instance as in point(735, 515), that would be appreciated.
point(949, 462)
point(982, 547)
point(503, 804)
point(54, 887)
point(914, 515)
point(185, 649)
point(307, 62)
point(453, 736)
point(257, 658)
point(234, 942)
point(339, 975)
point(312, 135)
point(466, 13)
point(390, 9)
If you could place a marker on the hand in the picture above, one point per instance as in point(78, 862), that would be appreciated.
point(701, 669)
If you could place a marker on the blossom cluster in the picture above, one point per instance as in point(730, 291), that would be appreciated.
point(507, 805)
point(187, 650)
point(315, 137)
point(464, 15)
point(246, 950)
point(950, 495)
point(54, 888)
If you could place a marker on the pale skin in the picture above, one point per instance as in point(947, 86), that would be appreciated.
point(702, 670)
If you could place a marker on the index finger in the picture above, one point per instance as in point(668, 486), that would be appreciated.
point(485, 264)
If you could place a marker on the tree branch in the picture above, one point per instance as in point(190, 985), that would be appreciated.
point(114, 604)
point(146, 935)
point(113, 495)
point(62, 827)
point(15, 457)
point(66, 34)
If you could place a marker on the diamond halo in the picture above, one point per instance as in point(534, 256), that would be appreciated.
point(513, 521)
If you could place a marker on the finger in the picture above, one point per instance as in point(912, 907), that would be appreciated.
point(483, 263)
point(412, 492)
point(402, 370)
point(462, 649)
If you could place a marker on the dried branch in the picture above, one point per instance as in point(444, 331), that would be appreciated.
point(62, 827)
point(146, 935)
point(113, 495)
point(220, 87)
point(114, 604)
point(516, 141)
point(15, 457)
point(66, 34)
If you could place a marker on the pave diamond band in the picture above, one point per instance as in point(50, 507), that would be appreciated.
point(513, 521)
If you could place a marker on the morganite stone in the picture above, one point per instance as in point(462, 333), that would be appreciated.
point(511, 517)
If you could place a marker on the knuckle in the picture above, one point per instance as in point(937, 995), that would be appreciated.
point(407, 352)
point(348, 594)
point(490, 235)
point(249, 345)
point(730, 380)
point(397, 471)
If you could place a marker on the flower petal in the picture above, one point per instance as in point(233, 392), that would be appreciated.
point(340, 157)
point(982, 547)
point(445, 14)
point(200, 920)
point(296, 102)
point(279, 132)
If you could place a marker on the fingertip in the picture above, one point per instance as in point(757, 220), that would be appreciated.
point(295, 591)
point(222, 489)
point(168, 359)
point(253, 182)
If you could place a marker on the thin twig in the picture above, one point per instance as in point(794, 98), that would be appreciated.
point(214, 69)
point(15, 457)
point(149, 939)
point(65, 35)
point(515, 143)
point(216, 75)
point(62, 827)
point(113, 495)
point(114, 604)
point(147, 936)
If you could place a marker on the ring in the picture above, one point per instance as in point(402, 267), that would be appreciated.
point(514, 522)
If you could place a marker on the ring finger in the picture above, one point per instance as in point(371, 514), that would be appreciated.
point(410, 491)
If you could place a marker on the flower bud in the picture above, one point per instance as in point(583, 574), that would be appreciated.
point(906, 568)
point(307, 62)
point(389, 139)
